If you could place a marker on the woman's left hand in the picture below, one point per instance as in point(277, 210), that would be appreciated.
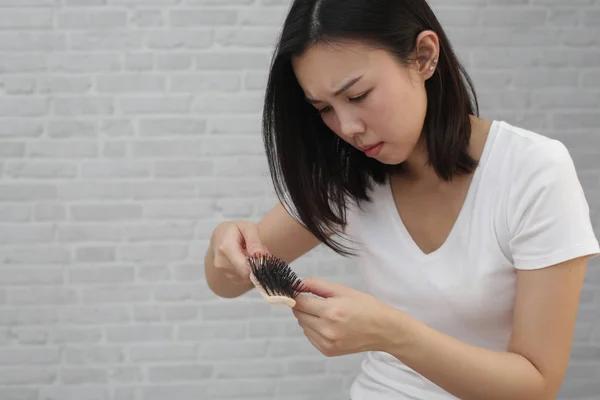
point(342, 320)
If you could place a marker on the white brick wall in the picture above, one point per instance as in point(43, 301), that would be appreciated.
point(129, 128)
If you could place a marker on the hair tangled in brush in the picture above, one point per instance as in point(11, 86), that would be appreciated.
point(275, 278)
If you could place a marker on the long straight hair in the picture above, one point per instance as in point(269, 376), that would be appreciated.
point(314, 172)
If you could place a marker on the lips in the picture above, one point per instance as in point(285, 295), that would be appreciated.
point(372, 150)
point(369, 147)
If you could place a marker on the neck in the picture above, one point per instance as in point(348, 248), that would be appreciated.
point(417, 168)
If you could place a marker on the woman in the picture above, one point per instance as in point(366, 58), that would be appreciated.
point(472, 235)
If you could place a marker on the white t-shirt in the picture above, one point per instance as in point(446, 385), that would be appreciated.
point(525, 209)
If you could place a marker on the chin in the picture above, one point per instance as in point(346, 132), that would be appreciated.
point(390, 160)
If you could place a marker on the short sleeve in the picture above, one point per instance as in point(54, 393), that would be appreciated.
point(548, 214)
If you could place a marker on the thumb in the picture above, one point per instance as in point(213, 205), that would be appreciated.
point(251, 238)
point(320, 287)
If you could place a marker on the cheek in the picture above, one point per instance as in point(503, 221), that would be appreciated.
point(384, 113)
point(399, 110)
point(332, 122)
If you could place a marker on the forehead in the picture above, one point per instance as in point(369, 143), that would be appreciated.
point(323, 67)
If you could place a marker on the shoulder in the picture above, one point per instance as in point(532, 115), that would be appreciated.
point(547, 213)
point(525, 165)
point(534, 160)
point(537, 167)
point(529, 146)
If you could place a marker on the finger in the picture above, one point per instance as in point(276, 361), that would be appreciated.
point(306, 320)
point(304, 289)
point(315, 333)
point(235, 256)
point(318, 340)
point(310, 305)
point(320, 287)
point(233, 278)
point(313, 338)
point(252, 238)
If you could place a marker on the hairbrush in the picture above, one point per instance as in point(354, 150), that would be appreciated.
point(275, 280)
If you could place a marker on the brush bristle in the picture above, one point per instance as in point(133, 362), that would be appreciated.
point(275, 276)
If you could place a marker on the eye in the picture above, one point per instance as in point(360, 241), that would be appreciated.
point(360, 98)
point(324, 110)
point(356, 99)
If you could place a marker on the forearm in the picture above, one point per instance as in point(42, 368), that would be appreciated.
point(464, 370)
point(218, 282)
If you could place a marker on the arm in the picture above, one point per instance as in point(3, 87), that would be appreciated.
point(278, 232)
point(547, 219)
point(535, 364)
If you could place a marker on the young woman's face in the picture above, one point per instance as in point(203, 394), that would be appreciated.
point(378, 102)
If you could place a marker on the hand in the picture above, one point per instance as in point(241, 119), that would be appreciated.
point(342, 320)
point(233, 242)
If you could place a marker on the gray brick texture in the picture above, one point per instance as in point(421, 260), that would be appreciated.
point(130, 128)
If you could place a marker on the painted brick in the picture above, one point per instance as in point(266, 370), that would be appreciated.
point(130, 128)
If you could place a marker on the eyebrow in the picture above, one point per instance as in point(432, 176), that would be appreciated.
point(341, 90)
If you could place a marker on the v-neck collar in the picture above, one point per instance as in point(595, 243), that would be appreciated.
point(463, 213)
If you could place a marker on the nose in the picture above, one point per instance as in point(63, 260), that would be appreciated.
point(349, 123)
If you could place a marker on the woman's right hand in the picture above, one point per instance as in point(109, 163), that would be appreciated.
point(232, 243)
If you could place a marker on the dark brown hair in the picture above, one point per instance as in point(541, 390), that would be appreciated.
point(314, 172)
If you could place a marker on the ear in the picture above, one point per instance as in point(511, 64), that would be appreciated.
point(427, 52)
